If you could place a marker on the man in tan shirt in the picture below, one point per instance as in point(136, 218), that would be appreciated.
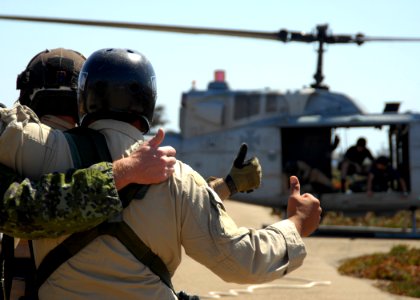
point(118, 92)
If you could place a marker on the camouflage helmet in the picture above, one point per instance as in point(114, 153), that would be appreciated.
point(120, 84)
point(48, 85)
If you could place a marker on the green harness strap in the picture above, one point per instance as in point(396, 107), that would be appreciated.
point(88, 147)
point(121, 231)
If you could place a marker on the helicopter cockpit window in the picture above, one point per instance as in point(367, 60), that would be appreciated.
point(271, 103)
point(275, 103)
point(246, 105)
point(322, 103)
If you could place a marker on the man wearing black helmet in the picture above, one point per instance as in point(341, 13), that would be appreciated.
point(118, 93)
point(48, 86)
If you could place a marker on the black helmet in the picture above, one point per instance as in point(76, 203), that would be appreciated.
point(48, 85)
point(118, 83)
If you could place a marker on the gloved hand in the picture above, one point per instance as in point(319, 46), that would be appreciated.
point(244, 176)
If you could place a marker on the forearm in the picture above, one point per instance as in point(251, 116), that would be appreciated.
point(251, 256)
point(220, 187)
point(121, 170)
point(273, 252)
point(238, 254)
point(58, 203)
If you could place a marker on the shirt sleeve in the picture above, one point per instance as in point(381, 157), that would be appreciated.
point(236, 254)
point(57, 204)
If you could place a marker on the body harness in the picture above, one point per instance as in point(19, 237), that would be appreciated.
point(88, 147)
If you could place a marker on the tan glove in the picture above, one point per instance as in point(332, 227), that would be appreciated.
point(244, 176)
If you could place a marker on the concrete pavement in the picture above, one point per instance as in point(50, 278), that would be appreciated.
point(316, 279)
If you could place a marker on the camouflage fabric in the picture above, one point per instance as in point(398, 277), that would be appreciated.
point(57, 204)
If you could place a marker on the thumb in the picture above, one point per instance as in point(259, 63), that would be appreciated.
point(240, 158)
point(157, 139)
point(294, 186)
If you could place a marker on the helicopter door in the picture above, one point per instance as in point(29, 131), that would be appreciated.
point(399, 152)
point(310, 144)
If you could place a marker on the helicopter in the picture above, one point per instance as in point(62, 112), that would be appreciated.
point(283, 127)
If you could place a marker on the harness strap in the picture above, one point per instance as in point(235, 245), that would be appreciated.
point(121, 231)
point(87, 147)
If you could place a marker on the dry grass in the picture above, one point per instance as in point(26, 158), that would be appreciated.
point(397, 272)
point(401, 219)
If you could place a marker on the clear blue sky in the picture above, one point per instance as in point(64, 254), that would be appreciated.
point(372, 73)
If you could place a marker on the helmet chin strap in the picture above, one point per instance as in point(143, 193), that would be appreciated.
point(36, 90)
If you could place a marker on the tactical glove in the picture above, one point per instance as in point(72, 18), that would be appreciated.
point(244, 176)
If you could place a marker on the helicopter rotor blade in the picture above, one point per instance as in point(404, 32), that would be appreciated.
point(153, 27)
point(282, 35)
point(390, 39)
point(321, 36)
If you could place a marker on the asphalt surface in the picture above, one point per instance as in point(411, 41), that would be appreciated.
point(316, 279)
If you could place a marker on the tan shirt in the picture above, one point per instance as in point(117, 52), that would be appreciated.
point(180, 212)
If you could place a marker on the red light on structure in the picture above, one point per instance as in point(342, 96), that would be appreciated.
point(219, 75)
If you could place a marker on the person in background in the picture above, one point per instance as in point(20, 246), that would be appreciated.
point(383, 177)
point(353, 161)
point(312, 180)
